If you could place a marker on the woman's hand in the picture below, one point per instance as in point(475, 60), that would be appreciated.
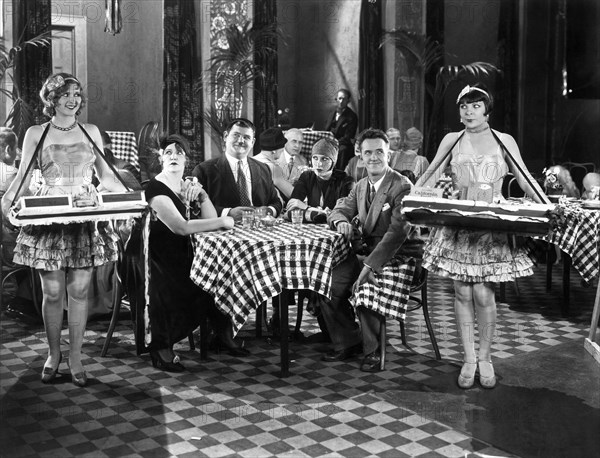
point(228, 222)
point(192, 190)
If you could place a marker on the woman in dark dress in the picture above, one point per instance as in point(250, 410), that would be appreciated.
point(318, 190)
point(176, 303)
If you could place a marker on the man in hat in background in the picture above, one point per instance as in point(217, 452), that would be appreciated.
point(272, 142)
point(221, 176)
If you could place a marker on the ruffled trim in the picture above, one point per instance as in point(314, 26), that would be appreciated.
point(60, 246)
point(475, 257)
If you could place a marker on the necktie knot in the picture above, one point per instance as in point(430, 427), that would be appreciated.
point(371, 195)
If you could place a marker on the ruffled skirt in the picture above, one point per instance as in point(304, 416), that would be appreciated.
point(475, 256)
point(59, 246)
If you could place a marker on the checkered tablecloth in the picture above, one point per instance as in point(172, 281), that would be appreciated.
point(391, 296)
point(242, 268)
point(124, 146)
point(580, 239)
point(310, 138)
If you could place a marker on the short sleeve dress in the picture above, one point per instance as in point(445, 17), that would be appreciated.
point(175, 300)
point(67, 169)
point(475, 256)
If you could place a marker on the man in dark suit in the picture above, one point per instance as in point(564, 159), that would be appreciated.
point(376, 201)
point(235, 182)
point(343, 124)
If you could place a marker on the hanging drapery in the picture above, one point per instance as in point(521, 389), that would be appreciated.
point(34, 63)
point(265, 104)
point(114, 21)
point(182, 106)
point(370, 67)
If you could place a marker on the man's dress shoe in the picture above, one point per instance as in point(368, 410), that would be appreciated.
point(371, 362)
point(342, 355)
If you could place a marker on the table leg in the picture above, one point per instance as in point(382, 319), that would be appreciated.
point(566, 284)
point(284, 334)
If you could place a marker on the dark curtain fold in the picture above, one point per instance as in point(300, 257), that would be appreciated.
point(505, 102)
point(370, 67)
point(34, 63)
point(265, 101)
point(182, 106)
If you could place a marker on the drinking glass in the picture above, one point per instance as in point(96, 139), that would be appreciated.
point(247, 219)
point(259, 214)
point(297, 216)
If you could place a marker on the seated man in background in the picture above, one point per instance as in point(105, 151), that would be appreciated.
point(292, 161)
point(271, 143)
point(408, 158)
point(375, 206)
point(235, 182)
point(591, 186)
point(395, 138)
point(356, 168)
point(8, 151)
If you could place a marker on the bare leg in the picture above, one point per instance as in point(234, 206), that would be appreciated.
point(485, 304)
point(465, 318)
point(78, 281)
point(53, 289)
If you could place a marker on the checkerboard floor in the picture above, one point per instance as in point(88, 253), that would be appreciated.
point(228, 406)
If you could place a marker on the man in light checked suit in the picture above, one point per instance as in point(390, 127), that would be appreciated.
point(385, 232)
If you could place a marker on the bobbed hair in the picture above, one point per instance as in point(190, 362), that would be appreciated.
point(475, 95)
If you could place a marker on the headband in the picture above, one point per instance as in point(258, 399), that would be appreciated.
point(468, 89)
point(53, 83)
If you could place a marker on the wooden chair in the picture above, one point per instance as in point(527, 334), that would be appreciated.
point(578, 170)
point(419, 285)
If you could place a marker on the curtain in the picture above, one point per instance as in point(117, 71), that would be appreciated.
point(265, 104)
point(34, 63)
point(182, 105)
point(505, 101)
point(370, 67)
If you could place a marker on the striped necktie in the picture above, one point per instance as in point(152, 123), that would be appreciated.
point(242, 186)
point(371, 195)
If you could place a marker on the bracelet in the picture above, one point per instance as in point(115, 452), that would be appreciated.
point(368, 267)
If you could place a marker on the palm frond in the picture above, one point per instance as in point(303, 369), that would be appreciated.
point(7, 56)
point(419, 51)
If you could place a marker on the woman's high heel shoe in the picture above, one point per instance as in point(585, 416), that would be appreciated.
point(80, 379)
point(168, 366)
point(49, 374)
point(466, 379)
point(490, 380)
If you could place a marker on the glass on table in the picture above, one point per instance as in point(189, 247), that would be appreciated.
point(297, 217)
point(248, 219)
point(260, 213)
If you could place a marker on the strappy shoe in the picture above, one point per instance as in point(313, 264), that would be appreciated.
point(489, 381)
point(466, 379)
point(48, 373)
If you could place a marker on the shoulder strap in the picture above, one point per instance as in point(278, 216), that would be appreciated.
point(103, 156)
point(512, 159)
point(431, 173)
point(31, 162)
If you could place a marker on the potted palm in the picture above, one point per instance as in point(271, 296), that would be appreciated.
point(20, 114)
point(424, 56)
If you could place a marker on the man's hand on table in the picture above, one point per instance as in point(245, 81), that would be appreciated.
point(236, 213)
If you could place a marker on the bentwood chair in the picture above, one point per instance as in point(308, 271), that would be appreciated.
point(419, 286)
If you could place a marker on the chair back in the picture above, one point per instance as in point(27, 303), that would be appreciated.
point(578, 170)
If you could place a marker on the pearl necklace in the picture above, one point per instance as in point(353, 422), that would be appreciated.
point(64, 129)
